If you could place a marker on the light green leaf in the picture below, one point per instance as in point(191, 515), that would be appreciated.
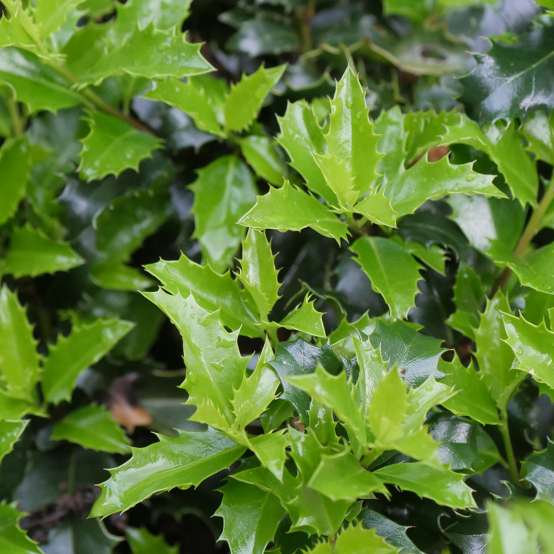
point(246, 97)
point(306, 319)
point(180, 461)
point(51, 15)
point(213, 291)
point(469, 297)
point(250, 517)
point(223, 192)
point(74, 353)
point(10, 431)
point(440, 485)
point(201, 97)
point(538, 129)
point(215, 367)
point(162, 14)
point(356, 540)
point(92, 427)
point(433, 180)
point(142, 541)
point(472, 399)
point(19, 361)
point(31, 253)
point(533, 347)
point(117, 276)
point(431, 255)
point(257, 272)
point(262, 154)
point(113, 146)
point(341, 477)
point(17, 27)
point(254, 395)
point(494, 356)
point(393, 272)
point(302, 138)
point(538, 469)
point(14, 168)
point(521, 527)
point(337, 393)
point(35, 84)
point(536, 269)
point(99, 51)
point(350, 161)
point(12, 538)
point(270, 449)
point(376, 208)
point(290, 209)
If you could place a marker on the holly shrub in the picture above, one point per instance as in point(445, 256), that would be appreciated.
point(277, 276)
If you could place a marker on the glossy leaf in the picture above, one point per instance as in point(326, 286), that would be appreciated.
point(290, 209)
point(258, 273)
point(535, 269)
point(92, 427)
point(538, 469)
point(349, 163)
point(393, 272)
point(31, 253)
point(14, 167)
point(70, 355)
point(215, 367)
point(10, 431)
point(533, 347)
point(440, 485)
point(213, 291)
point(142, 541)
point(223, 193)
point(181, 461)
point(355, 539)
point(512, 78)
point(19, 360)
point(12, 537)
point(108, 138)
point(260, 152)
point(35, 84)
point(247, 96)
point(250, 517)
point(306, 319)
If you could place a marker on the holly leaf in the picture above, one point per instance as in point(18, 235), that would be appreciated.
point(356, 539)
point(538, 469)
point(393, 272)
point(101, 154)
point(250, 517)
point(350, 161)
point(10, 431)
point(202, 98)
point(142, 541)
point(534, 269)
point(92, 427)
point(290, 209)
point(32, 253)
point(246, 97)
point(180, 461)
point(306, 319)
point(341, 477)
point(72, 354)
point(12, 538)
point(538, 129)
point(258, 273)
point(439, 484)
point(223, 193)
point(35, 84)
point(264, 157)
point(376, 208)
point(19, 360)
point(472, 399)
point(433, 180)
point(533, 347)
point(302, 138)
point(215, 367)
point(15, 165)
point(512, 77)
point(213, 291)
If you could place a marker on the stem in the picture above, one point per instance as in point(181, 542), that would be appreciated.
point(17, 123)
point(306, 16)
point(508, 447)
point(532, 228)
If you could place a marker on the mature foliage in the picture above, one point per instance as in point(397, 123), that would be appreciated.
point(277, 276)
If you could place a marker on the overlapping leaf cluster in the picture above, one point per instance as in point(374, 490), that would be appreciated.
point(359, 275)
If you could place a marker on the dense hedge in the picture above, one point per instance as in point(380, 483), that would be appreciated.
point(338, 214)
